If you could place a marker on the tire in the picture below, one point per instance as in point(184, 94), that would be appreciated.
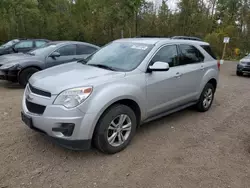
point(25, 75)
point(106, 135)
point(201, 105)
point(239, 73)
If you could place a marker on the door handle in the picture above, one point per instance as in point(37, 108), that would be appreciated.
point(202, 68)
point(178, 75)
point(74, 59)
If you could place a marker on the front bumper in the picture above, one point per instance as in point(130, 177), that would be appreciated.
point(243, 68)
point(54, 117)
point(70, 144)
point(8, 75)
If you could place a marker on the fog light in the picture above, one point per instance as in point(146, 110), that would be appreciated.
point(66, 129)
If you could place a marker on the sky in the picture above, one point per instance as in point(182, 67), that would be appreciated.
point(171, 3)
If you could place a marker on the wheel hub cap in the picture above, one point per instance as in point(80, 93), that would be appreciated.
point(208, 97)
point(119, 130)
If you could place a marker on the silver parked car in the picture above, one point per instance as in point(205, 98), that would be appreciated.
point(103, 99)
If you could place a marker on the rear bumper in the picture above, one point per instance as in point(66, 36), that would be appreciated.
point(8, 75)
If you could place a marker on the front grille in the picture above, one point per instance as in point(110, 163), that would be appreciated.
point(39, 92)
point(35, 108)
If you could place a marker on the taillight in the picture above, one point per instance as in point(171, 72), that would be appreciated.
point(218, 64)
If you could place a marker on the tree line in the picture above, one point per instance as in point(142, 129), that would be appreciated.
point(101, 21)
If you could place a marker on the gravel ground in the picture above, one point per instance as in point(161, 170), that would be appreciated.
point(187, 149)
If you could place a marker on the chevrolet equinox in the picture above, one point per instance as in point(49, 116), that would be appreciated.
point(102, 100)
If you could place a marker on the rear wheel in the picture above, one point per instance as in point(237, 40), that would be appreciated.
point(239, 73)
point(25, 75)
point(115, 129)
point(206, 98)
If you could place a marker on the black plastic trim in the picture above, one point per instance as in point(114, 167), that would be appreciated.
point(39, 92)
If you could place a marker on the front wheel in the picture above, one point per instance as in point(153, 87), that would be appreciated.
point(115, 129)
point(239, 73)
point(25, 75)
point(206, 98)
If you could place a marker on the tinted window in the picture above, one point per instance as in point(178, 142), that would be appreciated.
point(167, 54)
point(189, 54)
point(83, 49)
point(67, 50)
point(121, 56)
point(24, 44)
point(209, 50)
point(39, 43)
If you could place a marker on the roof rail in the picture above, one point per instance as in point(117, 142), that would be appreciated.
point(150, 36)
point(186, 38)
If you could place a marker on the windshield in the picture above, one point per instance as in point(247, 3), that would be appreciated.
point(10, 43)
point(47, 48)
point(120, 56)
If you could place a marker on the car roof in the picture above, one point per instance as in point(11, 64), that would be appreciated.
point(31, 39)
point(72, 42)
point(154, 41)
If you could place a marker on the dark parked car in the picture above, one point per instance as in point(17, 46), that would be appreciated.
point(21, 45)
point(19, 67)
point(243, 66)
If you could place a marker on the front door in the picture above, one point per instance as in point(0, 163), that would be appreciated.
point(67, 54)
point(163, 87)
point(24, 46)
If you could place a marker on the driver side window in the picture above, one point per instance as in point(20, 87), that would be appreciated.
point(167, 54)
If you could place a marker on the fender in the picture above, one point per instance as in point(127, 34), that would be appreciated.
point(110, 94)
point(210, 74)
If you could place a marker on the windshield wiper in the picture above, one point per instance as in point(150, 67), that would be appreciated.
point(103, 66)
point(29, 53)
point(84, 61)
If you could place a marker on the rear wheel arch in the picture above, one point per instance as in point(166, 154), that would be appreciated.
point(213, 81)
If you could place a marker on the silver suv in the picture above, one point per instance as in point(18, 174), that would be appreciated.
point(102, 100)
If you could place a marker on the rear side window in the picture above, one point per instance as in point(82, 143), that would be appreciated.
point(83, 49)
point(190, 54)
point(39, 43)
point(208, 49)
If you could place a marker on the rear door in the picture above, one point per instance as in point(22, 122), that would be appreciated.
point(191, 72)
point(67, 54)
point(24, 46)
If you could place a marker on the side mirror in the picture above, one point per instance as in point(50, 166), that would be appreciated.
point(55, 54)
point(15, 50)
point(159, 66)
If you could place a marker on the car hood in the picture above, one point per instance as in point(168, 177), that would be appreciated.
point(246, 59)
point(18, 58)
point(71, 75)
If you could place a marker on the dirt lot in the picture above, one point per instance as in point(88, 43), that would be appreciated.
point(187, 149)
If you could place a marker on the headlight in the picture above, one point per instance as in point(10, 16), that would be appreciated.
point(8, 65)
point(73, 97)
